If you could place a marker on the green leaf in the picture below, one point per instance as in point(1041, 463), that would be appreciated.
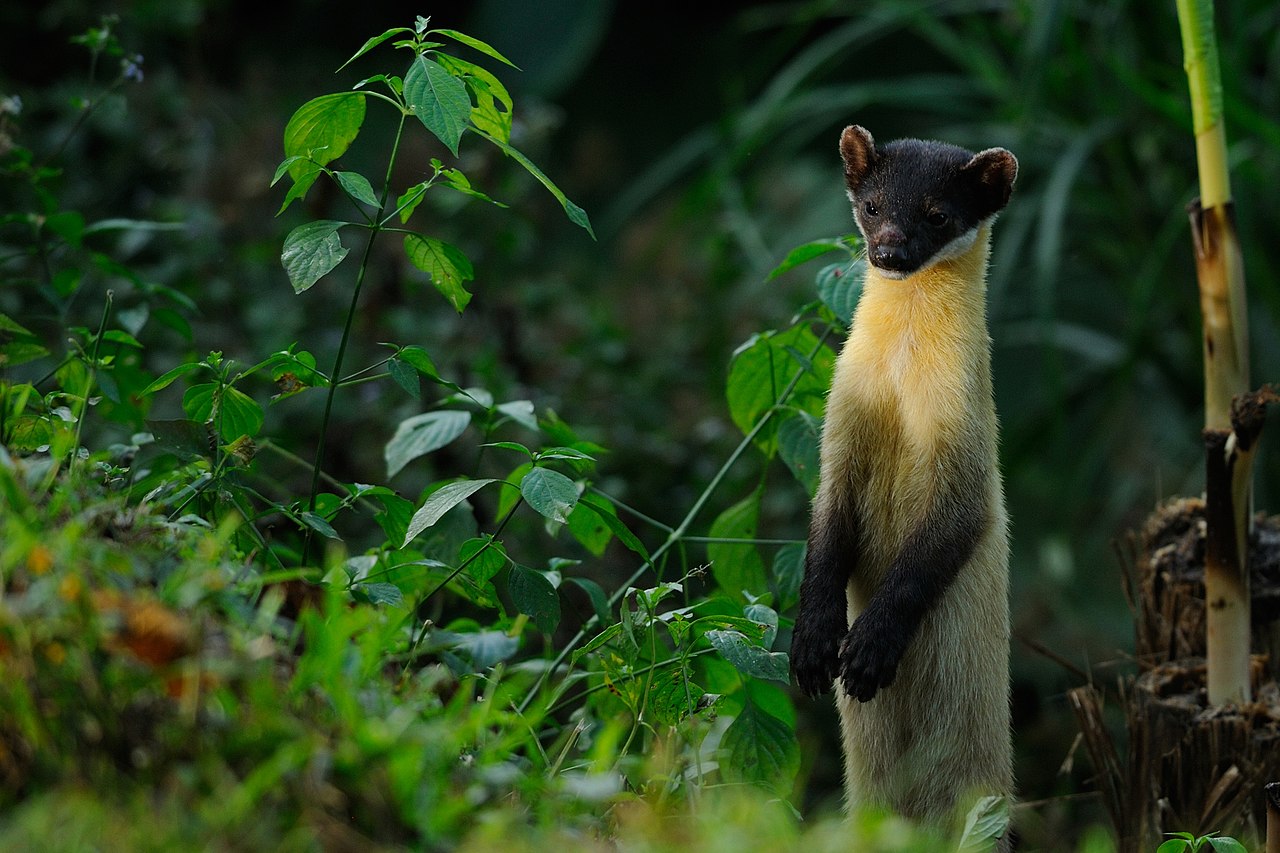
point(406, 376)
point(749, 658)
point(840, 286)
point(421, 434)
point(409, 200)
point(1173, 845)
point(233, 412)
point(381, 593)
point(788, 570)
point(576, 215)
point(311, 251)
point(520, 411)
point(394, 516)
point(673, 695)
point(457, 181)
point(357, 186)
point(595, 593)
point(589, 528)
point(484, 557)
point(1225, 844)
point(984, 824)
point(492, 112)
point(549, 492)
point(766, 616)
point(609, 516)
point(439, 502)
point(764, 367)
point(420, 360)
point(760, 749)
point(438, 99)
point(446, 265)
point(238, 414)
point(807, 252)
point(472, 41)
point(534, 596)
point(798, 444)
point(321, 130)
point(737, 567)
point(319, 525)
point(374, 42)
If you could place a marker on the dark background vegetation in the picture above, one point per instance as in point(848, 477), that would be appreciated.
point(702, 142)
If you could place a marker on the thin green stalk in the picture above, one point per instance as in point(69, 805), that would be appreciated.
point(346, 337)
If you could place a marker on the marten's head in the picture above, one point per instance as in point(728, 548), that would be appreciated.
point(917, 202)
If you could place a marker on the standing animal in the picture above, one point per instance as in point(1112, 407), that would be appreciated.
point(904, 603)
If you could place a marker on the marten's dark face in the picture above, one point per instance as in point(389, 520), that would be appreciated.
point(918, 203)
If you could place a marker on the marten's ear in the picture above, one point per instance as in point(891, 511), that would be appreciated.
point(992, 173)
point(858, 150)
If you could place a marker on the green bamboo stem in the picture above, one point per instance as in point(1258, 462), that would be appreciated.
point(1220, 273)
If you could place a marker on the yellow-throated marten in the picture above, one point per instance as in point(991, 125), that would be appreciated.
point(904, 603)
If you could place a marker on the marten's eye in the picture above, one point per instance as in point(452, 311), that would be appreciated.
point(869, 208)
point(937, 219)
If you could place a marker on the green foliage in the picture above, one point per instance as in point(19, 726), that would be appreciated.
point(1185, 842)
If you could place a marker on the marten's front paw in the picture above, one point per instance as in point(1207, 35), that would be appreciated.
point(815, 652)
point(869, 657)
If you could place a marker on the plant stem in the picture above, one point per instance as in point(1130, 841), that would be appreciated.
point(346, 337)
point(1220, 273)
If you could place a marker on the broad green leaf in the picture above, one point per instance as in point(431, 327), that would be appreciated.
point(357, 186)
point(534, 596)
point(576, 215)
point(748, 658)
point(520, 411)
point(472, 41)
point(439, 502)
point(798, 442)
point(589, 528)
point(766, 616)
point(760, 749)
point(117, 336)
point(233, 412)
point(609, 516)
point(1173, 845)
point(17, 344)
point(807, 252)
point(840, 286)
point(420, 359)
point(1226, 845)
point(764, 367)
point(380, 593)
point(394, 516)
point(492, 112)
point(421, 434)
point(438, 99)
point(595, 593)
point(598, 641)
point(446, 265)
point(673, 695)
point(321, 130)
point(549, 492)
point(984, 824)
point(484, 557)
point(238, 414)
point(485, 648)
point(737, 567)
point(283, 168)
point(374, 42)
point(509, 497)
point(319, 525)
point(311, 251)
point(409, 200)
point(788, 571)
point(406, 376)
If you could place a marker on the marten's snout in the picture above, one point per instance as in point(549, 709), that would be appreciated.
point(888, 250)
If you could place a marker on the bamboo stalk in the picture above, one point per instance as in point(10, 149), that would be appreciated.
point(1220, 273)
